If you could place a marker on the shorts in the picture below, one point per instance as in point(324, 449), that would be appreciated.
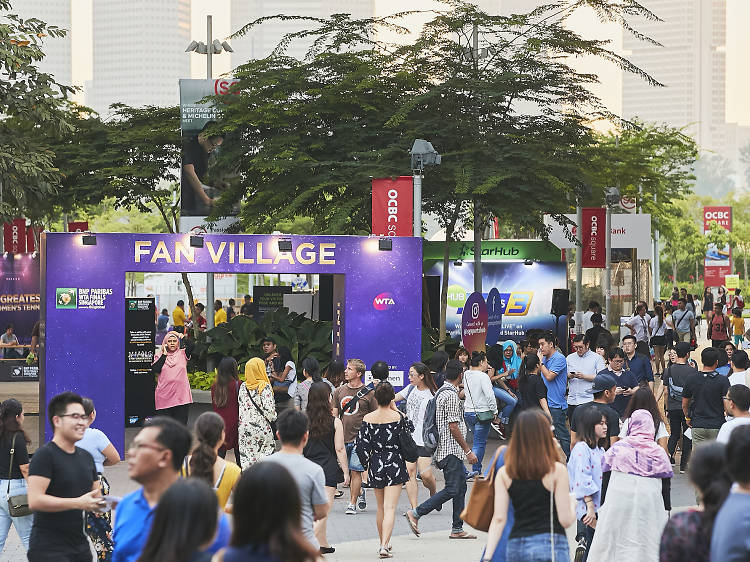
point(424, 452)
point(351, 456)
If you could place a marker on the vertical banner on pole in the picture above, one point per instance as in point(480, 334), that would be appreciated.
point(392, 211)
point(718, 261)
point(82, 226)
point(593, 237)
point(14, 236)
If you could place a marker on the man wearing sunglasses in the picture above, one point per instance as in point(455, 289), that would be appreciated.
point(62, 484)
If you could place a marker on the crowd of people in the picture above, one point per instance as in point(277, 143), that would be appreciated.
point(592, 441)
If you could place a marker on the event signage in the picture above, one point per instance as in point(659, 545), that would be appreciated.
point(81, 226)
point(268, 298)
point(14, 236)
point(474, 323)
point(392, 206)
point(140, 338)
point(718, 261)
point(495, 305)
point(628, 231)
point(85, 349)
point(593, 237)
point(201, 179)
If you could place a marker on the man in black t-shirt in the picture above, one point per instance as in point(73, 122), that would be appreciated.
point(604, 389)
point(703, 399)
point(195, 201)
point(62, 485)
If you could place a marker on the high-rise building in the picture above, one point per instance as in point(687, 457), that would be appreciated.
point(263, 39)
point(691, 64)
point(57, 50)
point(139, 52)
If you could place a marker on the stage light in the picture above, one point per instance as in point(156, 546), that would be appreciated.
point(459, 262)
point(34, 254)
point(385, 244)
point(89, 239)
point(285, 245)
point(528, 261)
point(196, 241)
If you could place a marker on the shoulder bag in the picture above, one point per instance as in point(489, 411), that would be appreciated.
point(408, 446)
point(483, 416)
point(402, 406)
point(271, 425)
point(18, 506)
point(481, 505)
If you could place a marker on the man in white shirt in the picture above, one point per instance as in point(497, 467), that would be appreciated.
point(740, 364)
point(638, 325)
point(583, 365)
point(593, 309)
point(736, 404)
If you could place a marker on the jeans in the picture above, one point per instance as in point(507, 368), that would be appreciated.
point(560, 421)
point(12, 353)
point(22, 524)
point(455, 489)
point(479, 431)
point(538, 548)
point(508, 400)
point(678, 426)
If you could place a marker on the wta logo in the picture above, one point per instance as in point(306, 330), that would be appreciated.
point(383, 301)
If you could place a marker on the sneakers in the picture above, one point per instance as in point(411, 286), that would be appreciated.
point(362, 500)
point(471, 475)
point(351, 509)
point(498, 429)
point(580, 550)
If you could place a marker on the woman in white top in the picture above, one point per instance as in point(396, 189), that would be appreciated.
point(419, 391)
point(480, 407)
point(657, 329)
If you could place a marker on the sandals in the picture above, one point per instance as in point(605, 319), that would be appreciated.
point(461, 535)
point(412, 523)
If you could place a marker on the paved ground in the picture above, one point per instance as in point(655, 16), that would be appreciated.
point(355, 537)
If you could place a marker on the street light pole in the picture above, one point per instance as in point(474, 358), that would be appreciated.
point(417, 202)
point(209, 276)
point(579, 270)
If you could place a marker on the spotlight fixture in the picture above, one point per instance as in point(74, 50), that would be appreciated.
point(34, 254)
point(459, 262)
point(89, 239)
point(196, 241)
point(385, 244)
point(528, 261)
point(285, 245)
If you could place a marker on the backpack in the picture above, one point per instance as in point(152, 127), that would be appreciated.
point(430, 433)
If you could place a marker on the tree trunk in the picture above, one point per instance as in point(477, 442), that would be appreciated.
point(449, 230)
point(674, 271)
point(697, 269)
point(744, 264)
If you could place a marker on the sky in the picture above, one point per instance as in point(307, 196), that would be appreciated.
point(584, 22)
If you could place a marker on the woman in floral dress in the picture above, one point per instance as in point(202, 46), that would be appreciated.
point(257, 411)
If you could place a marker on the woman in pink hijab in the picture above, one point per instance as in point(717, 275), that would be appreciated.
point(632, 516)
point(172, 397)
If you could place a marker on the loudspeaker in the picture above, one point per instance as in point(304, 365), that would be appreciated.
point(560, 302)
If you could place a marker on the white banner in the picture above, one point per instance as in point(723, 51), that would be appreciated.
point(628, 231)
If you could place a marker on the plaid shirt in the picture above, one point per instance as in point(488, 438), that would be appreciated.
point(448, 409)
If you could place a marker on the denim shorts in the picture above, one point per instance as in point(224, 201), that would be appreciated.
point(353, 459)
point(537, 548)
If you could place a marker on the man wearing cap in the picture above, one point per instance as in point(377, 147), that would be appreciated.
point(583, 365)
point(674, 379)
point(603, 389)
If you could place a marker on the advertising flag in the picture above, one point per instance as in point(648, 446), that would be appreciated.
point(392, 206)
point(593, 237)
point(718, 261)
point(14, 236)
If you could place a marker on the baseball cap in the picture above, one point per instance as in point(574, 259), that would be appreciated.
point(602, 382)
point(682, 348)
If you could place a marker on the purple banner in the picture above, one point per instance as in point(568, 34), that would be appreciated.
point(19, 294)
point(377, 308)
point(474, 323)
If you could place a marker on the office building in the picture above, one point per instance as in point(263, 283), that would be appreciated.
point(138, 52)
point(691, 64)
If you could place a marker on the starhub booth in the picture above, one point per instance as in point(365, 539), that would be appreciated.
point(519, 279)
point(376, 302)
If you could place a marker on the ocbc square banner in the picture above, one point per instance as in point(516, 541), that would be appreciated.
point(392, 206)
point(718, 261)
point(82, 226)
point(14, 236)
point(593, 237)
point(722, 216)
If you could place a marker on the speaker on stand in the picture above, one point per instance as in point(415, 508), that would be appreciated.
point(560, 304)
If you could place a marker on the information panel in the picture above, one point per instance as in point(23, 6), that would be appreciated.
point(140, 343)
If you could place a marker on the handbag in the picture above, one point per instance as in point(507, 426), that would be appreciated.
point(484, 416)
point(481, 505)
point(18, 505)
point(271, 425)
point(409, 449)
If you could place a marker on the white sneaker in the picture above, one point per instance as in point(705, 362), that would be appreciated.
point(351, 509)
point(362, 500)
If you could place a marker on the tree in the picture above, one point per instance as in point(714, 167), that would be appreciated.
point(31, 108)
point(684, 243)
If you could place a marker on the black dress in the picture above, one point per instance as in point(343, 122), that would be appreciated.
point(322, 450)
point(378, 448)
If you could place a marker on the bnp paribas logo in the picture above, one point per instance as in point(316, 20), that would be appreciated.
point(66, 298)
